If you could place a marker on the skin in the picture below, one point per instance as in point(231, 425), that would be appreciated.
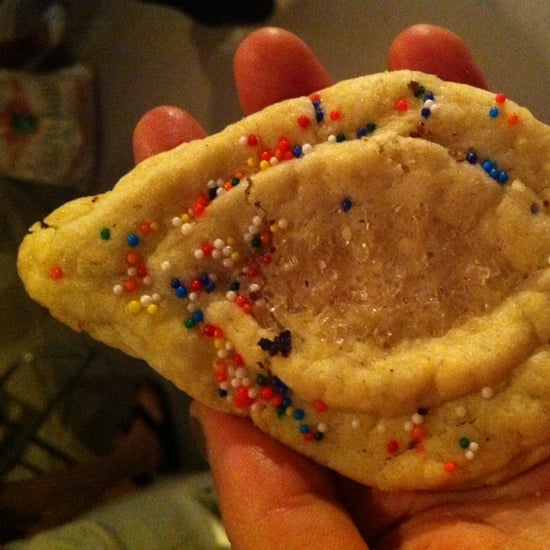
point(270, 496)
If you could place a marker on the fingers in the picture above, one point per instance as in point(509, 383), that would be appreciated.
point(273, 64)
point(164, 128)
point(438, 51)
point(270, 496)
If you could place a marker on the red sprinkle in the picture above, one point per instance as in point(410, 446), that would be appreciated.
point(252, 140)
point(500, 98)
point(320, 405)
point(56, 273)
point(145, 228)
point(335, 115)
point(402, 105)
point(393, 446)
point(303, 121)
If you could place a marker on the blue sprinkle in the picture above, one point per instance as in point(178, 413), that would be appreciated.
point(304, 428)
point(175, 283)
point(493, 113)
point(286, 402)
point(488, 166)
point(297, 151)
point(181, 292)
point(204, 279)
point(503, 177)
point(429, 96)
point(426, 112)
point(494, 173)
point(471, 157)
point(198, 316)
point(210, 286)
point(316, 103)
point(299, 414)
point(133, 240)
point(320, 115)
point(362, 132)
point(346, 204)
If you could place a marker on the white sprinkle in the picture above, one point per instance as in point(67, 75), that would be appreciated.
point(254, 287)
point(224, 386)
point(260, 303)
point(227, 262)
point(381, 428)
point(331, 138)
point(231, 295)
point(434, 108)
point(461, 411)
point(193, 296)
point(222, 353)
point(487, 392)
point(220, 191)
point(248, 237)
point(132, 272)
point(240, 372)
point(408, 426)
point(219, 244)
point(273, 161)
point(470, 455)
point(253, 392)
point(283, 223)
point(253, 229)
point(216, 254)
point(118, 290)
point(187, 228)
point(165, 266)
point(156, 297)
point(199, 254)
point(243, 140)
point(306, 149)
point(322, 427)
point(235, 382)
point(417, 419)
point(355, 423)
point(428, 103)
point(146, 300)
point(147, 281)
point(227, 251)
point(211, 184)
point(229, 345)
point(176, 221)
point(257, 220)
point(246, 382)
point(473, 446)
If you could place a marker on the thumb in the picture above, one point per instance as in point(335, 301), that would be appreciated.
point(270, 496)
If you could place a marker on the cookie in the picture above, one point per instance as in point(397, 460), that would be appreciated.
point(363, 272)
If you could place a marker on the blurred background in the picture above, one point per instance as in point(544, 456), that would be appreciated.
point(84, 72)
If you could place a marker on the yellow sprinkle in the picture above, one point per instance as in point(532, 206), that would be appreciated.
point(274, 228)
point(134, 306)
point(154, 226)
point(219, 343)
point(235, 256)
point(251, 161)
point(152, 309)
point(230, 241)
point(289, 411)
point(185, 218)
point(264, 165)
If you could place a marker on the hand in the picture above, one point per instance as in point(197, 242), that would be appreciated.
point(272, 497)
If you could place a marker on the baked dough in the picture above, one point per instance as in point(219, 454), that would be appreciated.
point(364, 272)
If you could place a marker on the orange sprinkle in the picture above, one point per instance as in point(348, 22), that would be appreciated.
point(450, 467)
point(133, 258)
point(130, 284)
point(513, 119)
